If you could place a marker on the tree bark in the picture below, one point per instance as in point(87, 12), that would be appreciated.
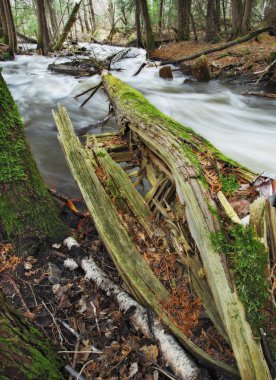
point(183, 12)
point(270, 14)
point(24, 352)
point(138, 24)
point(28, 214)
point(237, 13)
point(210, 26)
point(161, 135)
point(8, 25)
point(43, 40)
point(150, 42)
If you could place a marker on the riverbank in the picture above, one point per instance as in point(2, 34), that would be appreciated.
point(247, 58)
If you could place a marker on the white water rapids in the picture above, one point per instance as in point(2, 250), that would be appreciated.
point(243, 128)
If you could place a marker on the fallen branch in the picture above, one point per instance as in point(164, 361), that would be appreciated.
point(100, 123)
point(26, 38)
point(173, 354)
point(229, 44)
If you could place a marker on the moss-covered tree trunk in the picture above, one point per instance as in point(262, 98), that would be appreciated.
point(68, 26)
point(24, 353)
point(28, 215)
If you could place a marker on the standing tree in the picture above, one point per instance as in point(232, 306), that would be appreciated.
point(212, 20)
point(138, 24)
point(43, 40)
point(183, 12)
point(150, 42)
point(28, 215)
point(241, 17)
point(270, 13)
point(8, 26)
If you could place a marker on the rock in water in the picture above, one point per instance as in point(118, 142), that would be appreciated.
point(165, 72)
point(200, 69)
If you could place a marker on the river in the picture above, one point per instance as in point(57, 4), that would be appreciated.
point(244, 128)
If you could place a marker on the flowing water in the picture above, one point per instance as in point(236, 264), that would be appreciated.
point(244, 128)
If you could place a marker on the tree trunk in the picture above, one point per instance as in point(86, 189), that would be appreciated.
point(183, 11)
point(236, 18)
point(93, 18)
point(160, 15)
point(150, 42)
point(68, 26)
point(50, 6)
point(43, 40)
point(8, 25)
point(182, 175)
point(28, 214)
point(138, 24)
point(210, 21)
point(246, 17)
point(24, 352)
point(270, 13)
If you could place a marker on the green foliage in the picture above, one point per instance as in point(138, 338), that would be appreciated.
point(249, 260)
point(229, 184)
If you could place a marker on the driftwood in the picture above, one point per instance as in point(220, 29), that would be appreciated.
point(183, 206)
point(174, 355)
point(220, 47)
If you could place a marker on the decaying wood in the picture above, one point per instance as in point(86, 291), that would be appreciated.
point(161, 135)
point(174, 355)
point(132, 266)
point(227, 45)
point(178, 206)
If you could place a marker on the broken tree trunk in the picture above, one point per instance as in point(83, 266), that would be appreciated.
point(24, 351)
point(67, 27)
point(28, 214)
point(220, 47)
point(132, 266)
point(185, 211)
point(171, 142)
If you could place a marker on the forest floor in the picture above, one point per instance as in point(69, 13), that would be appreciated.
point(244, 59)
point(87, 327)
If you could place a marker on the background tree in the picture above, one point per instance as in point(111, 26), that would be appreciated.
point(150, 42)
point(43, 40)
point(183, 24)
point(8, 26)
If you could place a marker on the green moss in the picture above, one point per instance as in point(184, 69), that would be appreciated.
point(137, 104)
point(26, 352)
point(249, 260)
point(229, 184)
point(27, 211)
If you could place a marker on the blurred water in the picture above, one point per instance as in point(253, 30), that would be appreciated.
point(244, 128)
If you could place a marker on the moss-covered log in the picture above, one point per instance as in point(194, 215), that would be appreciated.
point(132, 266)
point(28, 214)
point(25, 354)
point(175, 146)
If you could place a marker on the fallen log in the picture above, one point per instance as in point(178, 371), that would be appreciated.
point(185, 173)
point(132, 266)
point(161, 135)
point(220, 47)
point(27, 38)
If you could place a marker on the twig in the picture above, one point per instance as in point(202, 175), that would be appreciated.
point(85, 92)
point(83, 368)
point(55, 322)
point(100, 123)
point(140, 69)
point(95, 314)
point(93, 92)
point(73, 373)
